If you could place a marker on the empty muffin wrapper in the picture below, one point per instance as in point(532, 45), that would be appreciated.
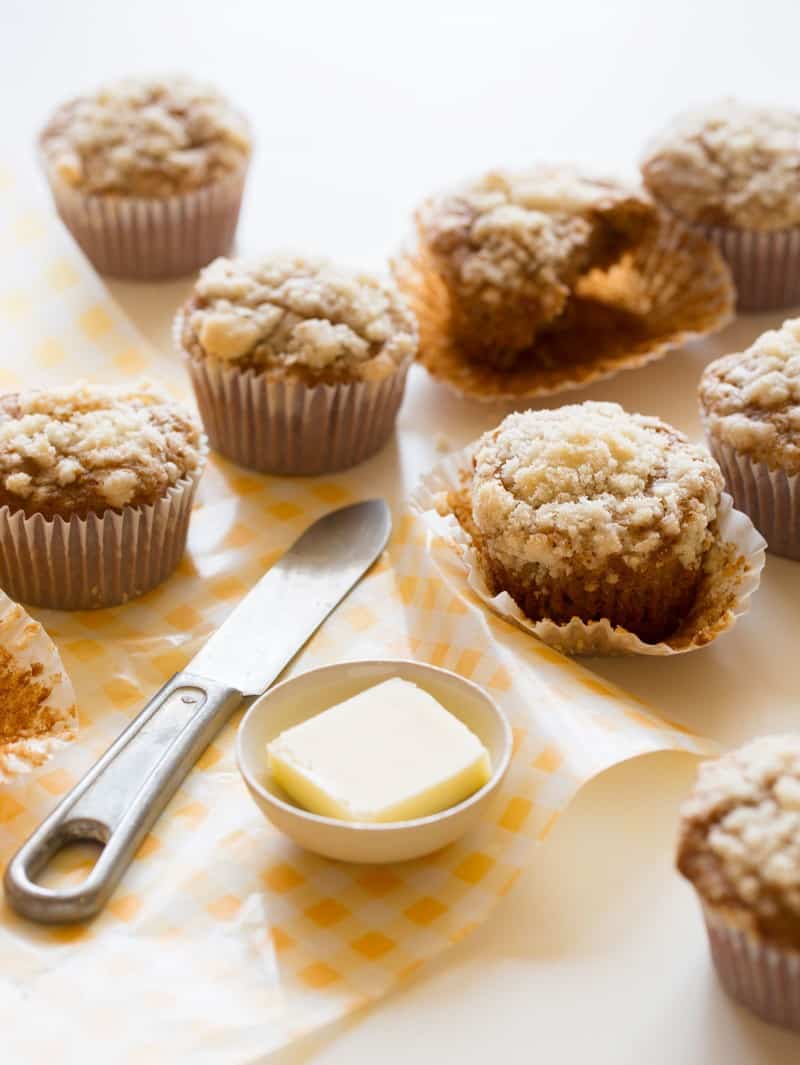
point(38, 714)
point(761, 976)
point(732, 572)
point(673, 288)
point(99, 560)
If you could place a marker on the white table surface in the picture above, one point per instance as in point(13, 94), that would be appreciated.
point(359, 109)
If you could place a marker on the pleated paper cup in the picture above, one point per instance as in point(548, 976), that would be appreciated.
point(761, 976)
point(771, 498)
point(96, 561)
point(34, 675)
point(673, 288)
point(151, 238)
point(731, 573)
point(283, 426)
point(765, 265)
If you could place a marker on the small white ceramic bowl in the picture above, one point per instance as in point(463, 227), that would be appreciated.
point(303, 696)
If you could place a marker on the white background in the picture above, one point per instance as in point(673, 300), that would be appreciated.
point(598, 957)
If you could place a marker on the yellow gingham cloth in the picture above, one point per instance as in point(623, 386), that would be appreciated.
point(224, 941)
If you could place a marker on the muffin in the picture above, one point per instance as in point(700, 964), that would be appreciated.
point(96, 489)
point(733, 170)
point(527, 283)
point(298, 365)
point(750, 405)
point(587, 511)
point(38, 712)
point(739, 847)
point(148, 174)
point(510, 248)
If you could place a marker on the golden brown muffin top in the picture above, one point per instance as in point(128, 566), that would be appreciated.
point(583, 484)
point(86, 448)
point(739, 841)
point(509, 229)
point(298, 315)
point(751, 399)
point(729, 164)
point(146, 137)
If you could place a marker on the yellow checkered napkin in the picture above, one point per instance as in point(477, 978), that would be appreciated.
point(224, 941)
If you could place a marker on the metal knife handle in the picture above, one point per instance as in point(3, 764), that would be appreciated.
point(118, 800)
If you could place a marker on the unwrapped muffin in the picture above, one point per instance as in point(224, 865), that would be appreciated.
point(587, 511)
point(534, 281)
point(96, 489)
point(750, 405)
point(733, 170)
point(298, 365)
point(739, 847)
point(148, 174)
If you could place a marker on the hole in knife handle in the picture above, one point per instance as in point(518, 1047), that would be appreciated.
point(69, 856)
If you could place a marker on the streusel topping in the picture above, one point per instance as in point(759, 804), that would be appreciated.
point(729, 164)
point(740, 828)
point(291, 313)
point(146, 137)
point(751, 399)
point(586, 483)
point(88, 448)
point(508, 231)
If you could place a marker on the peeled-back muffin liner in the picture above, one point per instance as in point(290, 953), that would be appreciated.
point(96, 561)
point(52, 718)
point(148, 238)
point(671, 289)
point(731, 573)
point(765, 265)
point(771, 498)
point(761, 976)
point(280, 425)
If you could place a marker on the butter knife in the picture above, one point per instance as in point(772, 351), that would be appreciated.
point(121, 797)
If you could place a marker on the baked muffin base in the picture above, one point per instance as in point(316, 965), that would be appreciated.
point(771, 498)
point(150, 239)
point(765, 266)
point(731, 573)
point(762, 976)
point(672, 288)
point(97, 561)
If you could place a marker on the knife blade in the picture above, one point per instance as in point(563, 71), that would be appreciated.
point(121, 797)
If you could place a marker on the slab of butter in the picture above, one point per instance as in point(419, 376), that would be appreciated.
point(391, 753)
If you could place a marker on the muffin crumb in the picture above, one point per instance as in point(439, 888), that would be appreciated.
point(297, 314)
point(146, 137)
point(87, 448)
point(729, 164)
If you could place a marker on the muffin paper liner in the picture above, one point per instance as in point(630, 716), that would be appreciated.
point(763, 977)
point(281, 425)
point(96, 561)
point(771, 498)
point(731, 573)
point(671, 289)
point(33, 661)
point(765, 266)
point(149, 238)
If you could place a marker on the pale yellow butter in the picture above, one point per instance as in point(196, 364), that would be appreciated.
point(390, 753)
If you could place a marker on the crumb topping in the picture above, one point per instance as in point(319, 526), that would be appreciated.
point(729, 164)
point(740, 829)
point(296, 313)
point(87, 448)
point(512, 231)
point(587, 483)
point(146, 137)
point(751, 399)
